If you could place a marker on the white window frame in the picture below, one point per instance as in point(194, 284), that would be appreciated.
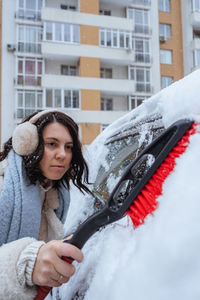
point(105, 102)
point(62, 91)
point(166, 56)
point(145, 54)
point(71, 100)
point(37, 76)
point(115, 35)
point(137, 100)
point(196, 5)
point(165, 30)
point(166, 81)
point(146, 84)
point(71, 70)
point(27, 13)
point(73, 37)
point(105, 71)
point(24, 110)
point(165, 5)
point(140, 27)
point(34, 45)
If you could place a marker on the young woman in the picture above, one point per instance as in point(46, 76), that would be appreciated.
point(38, 162)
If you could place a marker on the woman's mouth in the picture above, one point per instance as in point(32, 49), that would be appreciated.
point(58, 167)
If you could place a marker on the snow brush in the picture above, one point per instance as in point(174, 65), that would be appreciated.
point(136, 192)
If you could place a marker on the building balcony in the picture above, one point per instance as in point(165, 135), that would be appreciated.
point(125, 3)
point(95, 116)
point(110, 86)
point(28, 14)
point(75, 17)
point(57, 51)
point(60, 4)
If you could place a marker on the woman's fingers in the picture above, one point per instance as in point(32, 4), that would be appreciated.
point(68, 250)
point(50, 269)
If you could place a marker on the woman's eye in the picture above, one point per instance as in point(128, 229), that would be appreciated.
point(51, 144)
point(69, 147)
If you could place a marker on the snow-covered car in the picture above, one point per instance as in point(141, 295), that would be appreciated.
point(159, 259)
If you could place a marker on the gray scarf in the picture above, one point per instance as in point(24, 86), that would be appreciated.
point(20, 203)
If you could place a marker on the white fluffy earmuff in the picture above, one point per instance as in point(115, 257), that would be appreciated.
point(25, 136)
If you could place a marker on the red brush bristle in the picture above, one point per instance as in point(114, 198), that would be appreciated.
point(146, 203)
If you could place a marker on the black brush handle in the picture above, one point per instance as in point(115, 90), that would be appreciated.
point(91, 225)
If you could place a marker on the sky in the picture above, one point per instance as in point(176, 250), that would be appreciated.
point(160, 259)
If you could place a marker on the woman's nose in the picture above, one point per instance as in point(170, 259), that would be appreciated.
point(61, 153)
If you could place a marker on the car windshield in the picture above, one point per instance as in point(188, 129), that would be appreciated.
point(123, 148)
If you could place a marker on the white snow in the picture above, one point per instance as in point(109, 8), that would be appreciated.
point(159, 260)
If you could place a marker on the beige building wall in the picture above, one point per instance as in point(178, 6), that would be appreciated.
point(175, 43)
point(89, 6)
point(89, 67)
point(90, 100)
point(89, 35)
point(89, 132)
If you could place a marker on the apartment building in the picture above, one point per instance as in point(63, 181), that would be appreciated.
point(94, 59)
point(191, 35)
point(171, 45)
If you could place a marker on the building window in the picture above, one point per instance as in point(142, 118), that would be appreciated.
point(61, 98)
point(166, 57)
point(141, 20)
point(165, 31)
point(135, 101)
point(58, 32)
point(115, 38)
point(164, 5)
point(29, 39)
point(196, 58)
point(166, 81)
point(29, 9)
point(142, 50)
point(196, 34)
point(28, 102)
point(106, 73)
point(71, 99)
point(49, 31)
point(29, 71)
point(142, 77)
point(105, 12)
point(195, 5)
point(106, 104)
point(68, 70)
point(68, 7)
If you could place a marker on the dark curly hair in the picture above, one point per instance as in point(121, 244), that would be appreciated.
point(78, 171)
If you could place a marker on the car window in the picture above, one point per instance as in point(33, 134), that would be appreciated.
point(123, 148)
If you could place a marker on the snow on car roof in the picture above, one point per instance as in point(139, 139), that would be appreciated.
point(159, 260)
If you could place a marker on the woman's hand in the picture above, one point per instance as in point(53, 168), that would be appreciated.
point(50, 269)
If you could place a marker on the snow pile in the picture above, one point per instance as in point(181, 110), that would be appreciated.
point(160, 259)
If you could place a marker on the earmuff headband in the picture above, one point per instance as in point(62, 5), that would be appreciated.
point(25, 136)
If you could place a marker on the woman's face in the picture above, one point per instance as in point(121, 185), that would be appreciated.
point(58, 145)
